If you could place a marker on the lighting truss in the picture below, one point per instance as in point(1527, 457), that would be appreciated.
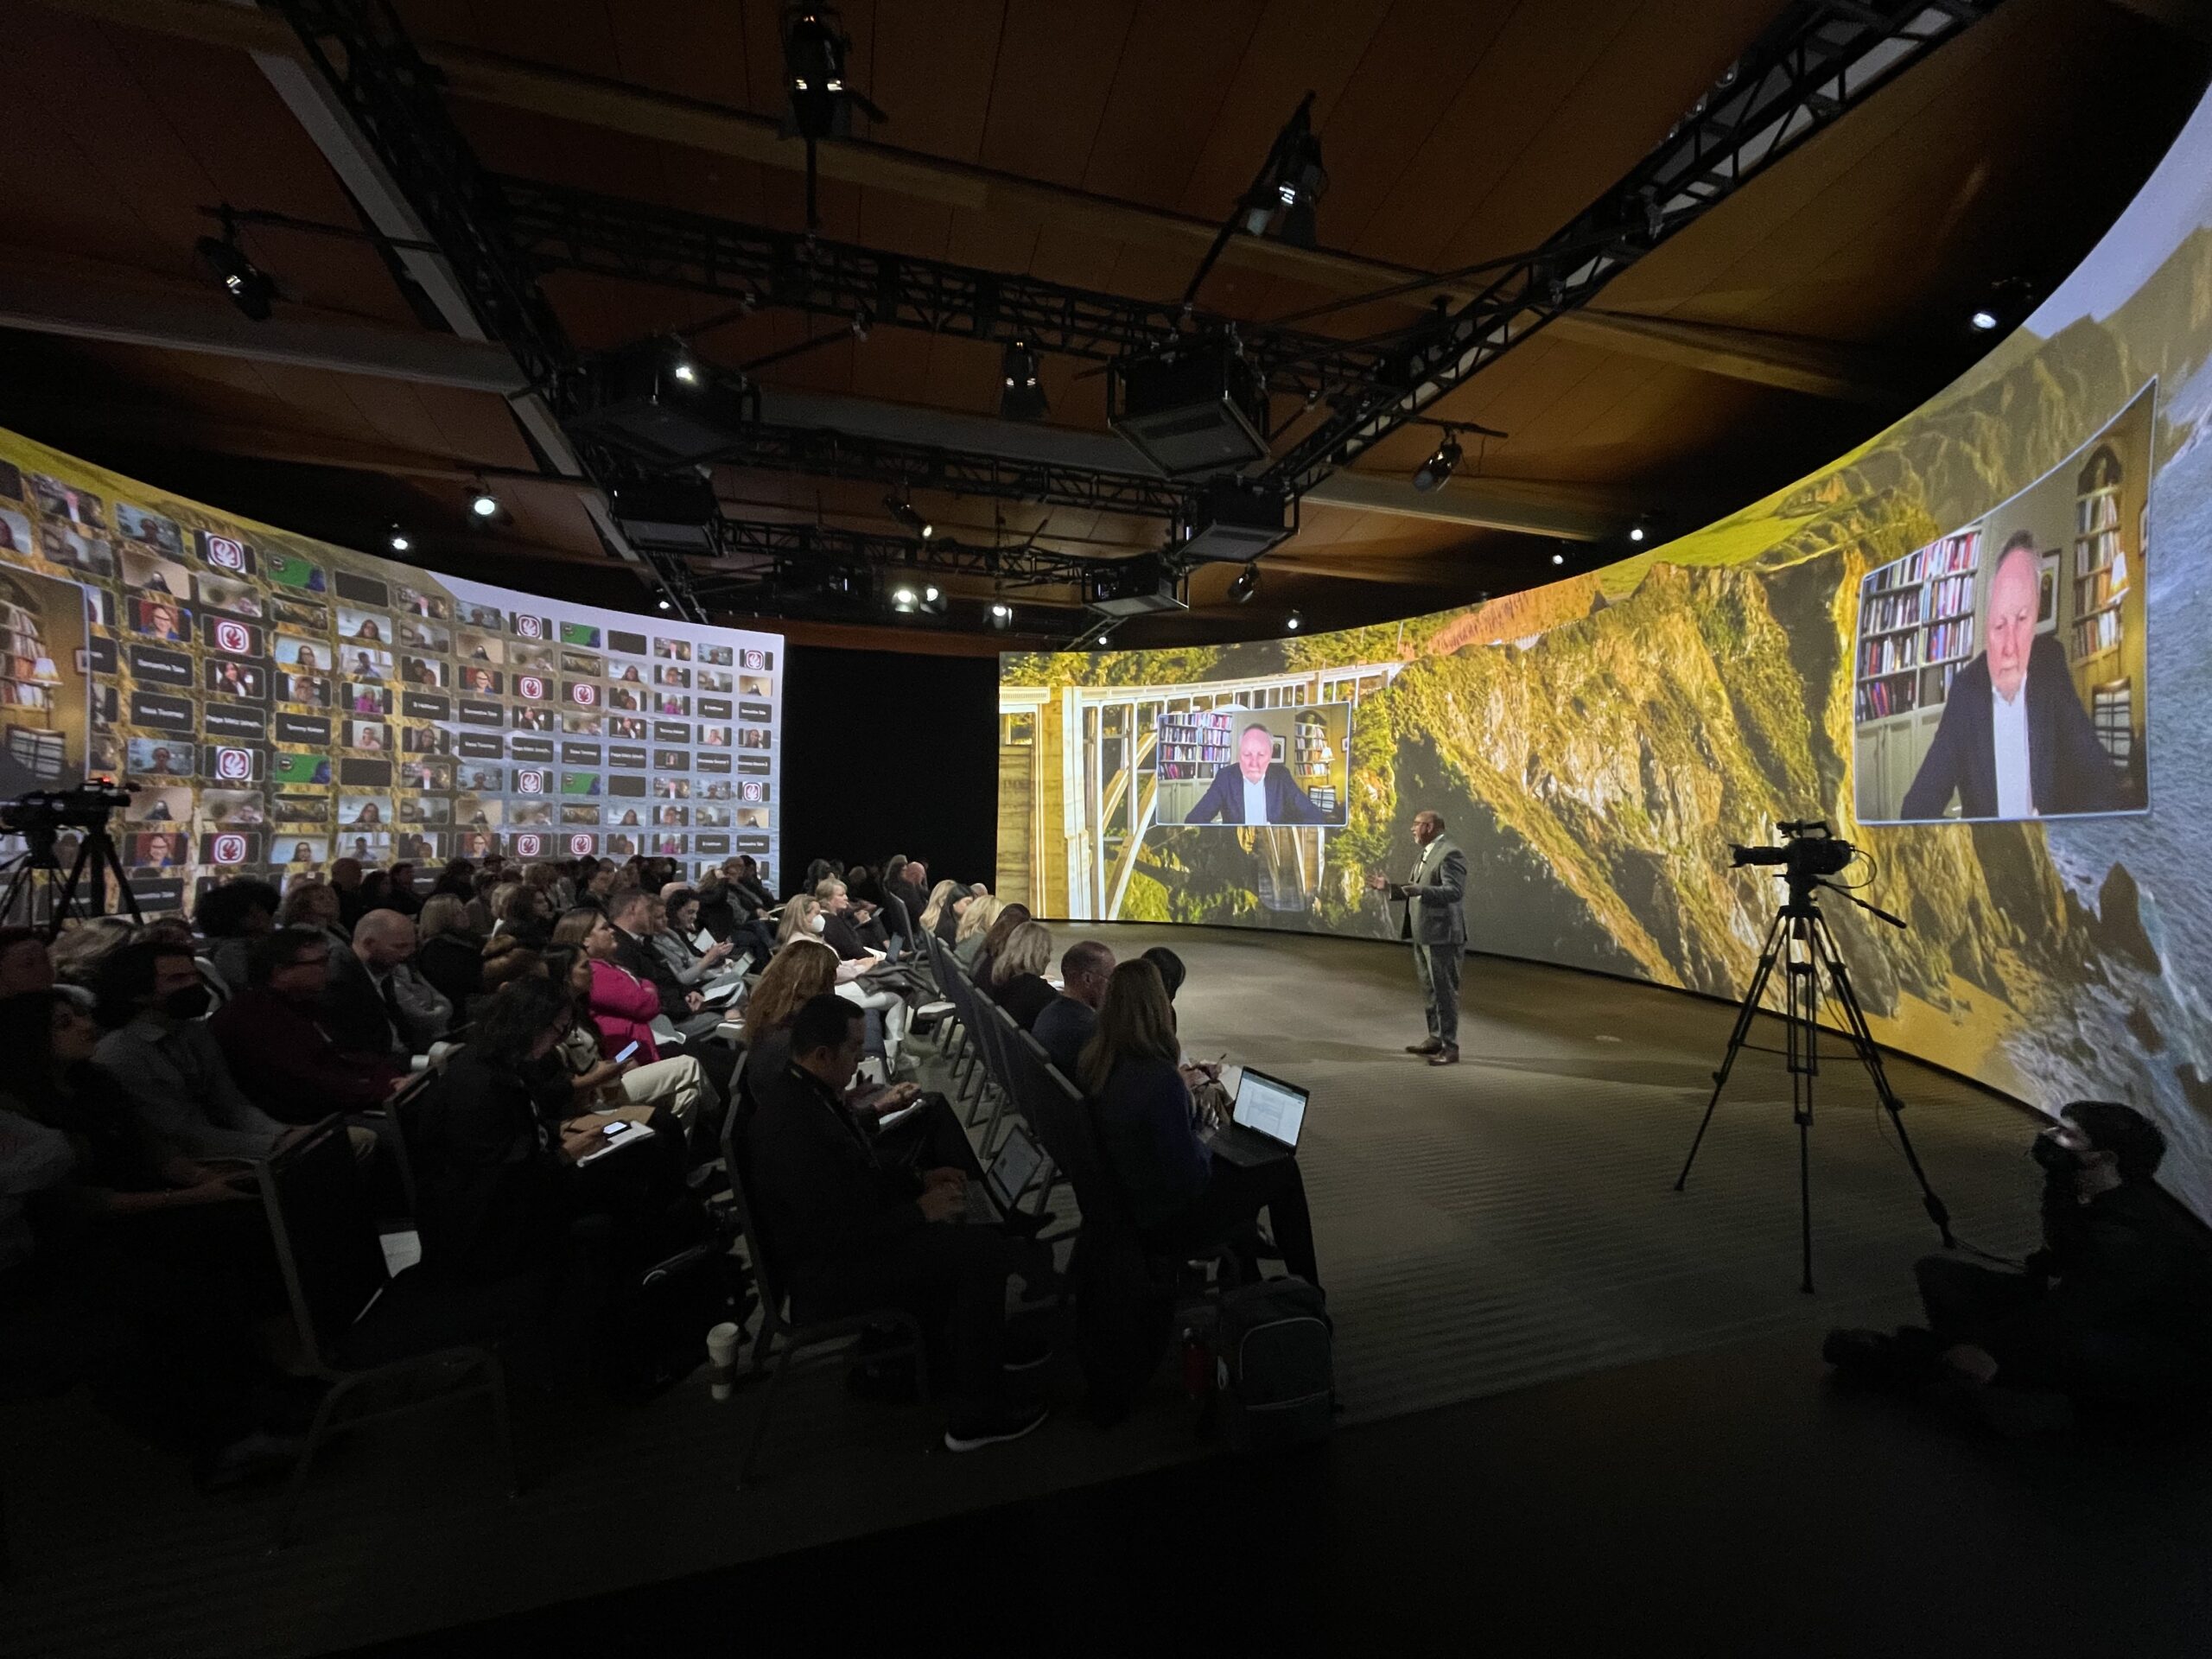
point(1819, 61)
point(757, 556)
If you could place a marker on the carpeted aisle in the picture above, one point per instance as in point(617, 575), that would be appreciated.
point(1480, 1228)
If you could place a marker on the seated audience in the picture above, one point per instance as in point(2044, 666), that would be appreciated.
point(1018, 981)
point(271, 1035)
point(622, 1005)
point(2114, 1313)
point(447, 953)
point(312, 903)
point(1171, 971)
point(811, 916)
point(849, 1232)
point(458, 877)
point(1179, 1194)
point(678, 1084)
point(1065, 1024)
point(231, 917)
point(346, 878)
point(123, 1261)
point(166, 1063)
point(994, 937)
point(25, 962)
point(631, 911)
point(523, 911)
point(678, 910)
point(399, 892)
point(800, 971)
point(374, 1007)
point(507, 959)
point(936, 915)
point(977, 918)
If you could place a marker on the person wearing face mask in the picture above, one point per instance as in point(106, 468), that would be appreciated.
point(2114, 1311)
point(166, 1062)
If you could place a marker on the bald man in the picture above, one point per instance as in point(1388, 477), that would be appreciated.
point(374, 1007)
point(2014, 741)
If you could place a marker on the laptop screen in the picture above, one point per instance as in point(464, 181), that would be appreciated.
point(1014, 1168)
point(1271, 1106)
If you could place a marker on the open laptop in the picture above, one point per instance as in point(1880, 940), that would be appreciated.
point(1264, 1123)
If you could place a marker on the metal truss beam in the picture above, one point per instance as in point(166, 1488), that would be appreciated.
point(754, 552)
point(1815, 63)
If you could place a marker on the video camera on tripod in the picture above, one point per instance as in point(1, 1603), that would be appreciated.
point(1809, 853)
point(39, 817)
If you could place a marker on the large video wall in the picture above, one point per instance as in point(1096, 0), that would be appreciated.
point(1976, 645)
point(274, 704)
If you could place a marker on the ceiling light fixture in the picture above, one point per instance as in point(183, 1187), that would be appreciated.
point(1294, 621)
point(821, 96)
point(1022, 391)
point(683, 371)
point(249, 287)
point(483, 503)
point(398, 541)
point(1442, 465)
point(1001, 614)
point(663, 604)
point(908, 516)
point(1246, 584)
point(1636, 532)
point(903, 599)
point(1558, 558)
point(1283, 198)
point(1982, 321)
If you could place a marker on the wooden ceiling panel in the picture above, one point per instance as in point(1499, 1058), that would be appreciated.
point(932, 69)
point(1165, 99)
point(694, 48)
point(1055, 70)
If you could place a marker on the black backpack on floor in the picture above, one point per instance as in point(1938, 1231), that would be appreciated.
point(656, 1331)
point(1275, 1373)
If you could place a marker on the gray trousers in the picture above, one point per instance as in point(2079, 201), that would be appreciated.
point(1438, 968)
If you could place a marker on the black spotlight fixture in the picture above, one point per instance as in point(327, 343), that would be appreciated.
point(1247, 584)
point(248, 285)
point(1001, 614)
point(823, 100)
point(1291, 185)
point(908, 516)
point(1022, 392)
point(1293, 622)
point(1440, 465)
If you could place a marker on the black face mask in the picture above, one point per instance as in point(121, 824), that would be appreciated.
point(2047, 1152)
point(189, 1003)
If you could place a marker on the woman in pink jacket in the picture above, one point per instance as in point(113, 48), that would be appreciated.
point(623, 1006)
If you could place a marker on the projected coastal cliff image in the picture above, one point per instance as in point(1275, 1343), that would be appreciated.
point(1597, 743)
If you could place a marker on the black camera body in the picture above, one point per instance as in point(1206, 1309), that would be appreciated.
point(47, 813)
point(1810, 851)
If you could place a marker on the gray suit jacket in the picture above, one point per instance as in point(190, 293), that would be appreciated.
point(1435, 898)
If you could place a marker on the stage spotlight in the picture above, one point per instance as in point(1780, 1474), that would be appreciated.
point(1021, 393)
point(908, 516)
point(1291, 185)
point(1982, 321)
point(398, 541)
point(483, 503)
point(904, 599)
point(1246, 584)
point(1293, 622)
point(1440, 466)
point(930, 594)
point(684, 371)
point(1102, 638)
point(248, 285)
point(814, 66)
point(1558, 558)
point(1001, 614)
point(662, 603)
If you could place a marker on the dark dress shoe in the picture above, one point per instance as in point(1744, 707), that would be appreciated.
point(1448, 1055)
point(1428, 1047)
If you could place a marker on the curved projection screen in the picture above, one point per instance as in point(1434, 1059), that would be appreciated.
point(273, 703)
point(1974, 645)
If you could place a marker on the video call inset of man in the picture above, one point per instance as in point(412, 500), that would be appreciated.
point(2014, 741)
point(1258, 789)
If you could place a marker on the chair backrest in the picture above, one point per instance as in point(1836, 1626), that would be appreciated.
point(993, 1024)
point(737, 1160)
point(895, 907)
point(325, 1234)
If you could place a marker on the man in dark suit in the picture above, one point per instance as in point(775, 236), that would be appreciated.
point(2014, 741)
point(361, 1008)
point(632, 914)
point(1258, 789)
point(1436, 923)
point(1065, 1025)
point(850, 1231)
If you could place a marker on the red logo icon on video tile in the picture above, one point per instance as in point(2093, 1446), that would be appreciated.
point(530, 627)
point(584, 695)
point(235, 638)
point(529, 846)
point(235, 764)
point(529, 686)
point(529, 781)
point(579, 845)
point(227, 849)
point(226, 553)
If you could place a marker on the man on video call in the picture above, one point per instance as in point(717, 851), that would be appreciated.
point(1258, 789)
point(2014, 741)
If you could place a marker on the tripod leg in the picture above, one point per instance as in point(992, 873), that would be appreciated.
point(1745, 1014)
point(1804, 1066)
point(1870, 1055)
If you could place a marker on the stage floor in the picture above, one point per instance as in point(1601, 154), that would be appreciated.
point(1480, 1228)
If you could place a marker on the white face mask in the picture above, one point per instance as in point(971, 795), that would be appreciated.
point(815, 922)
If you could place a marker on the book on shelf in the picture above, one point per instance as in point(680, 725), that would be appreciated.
point(2094, 633)
point(1892, 655)
point(2098, 510)
point(1879, 699)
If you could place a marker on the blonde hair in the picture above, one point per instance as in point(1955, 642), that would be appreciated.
point(85, 944)
point(940, 896)
point(1028, 950)
point(797, 915)
point(800, 971)
point(1135, 1022)
point(978, 917)
point(575, 926)
point(442, 914)
point(507, 959)
point(828, 888)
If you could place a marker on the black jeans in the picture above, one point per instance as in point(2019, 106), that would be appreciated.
point(952, 1278)
point(1235, 1194)
point(2114, 1362)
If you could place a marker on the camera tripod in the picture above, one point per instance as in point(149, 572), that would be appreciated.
point(39, 871)
point(1799, 940)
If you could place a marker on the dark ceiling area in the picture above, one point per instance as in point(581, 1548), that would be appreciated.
point(1562, 235)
